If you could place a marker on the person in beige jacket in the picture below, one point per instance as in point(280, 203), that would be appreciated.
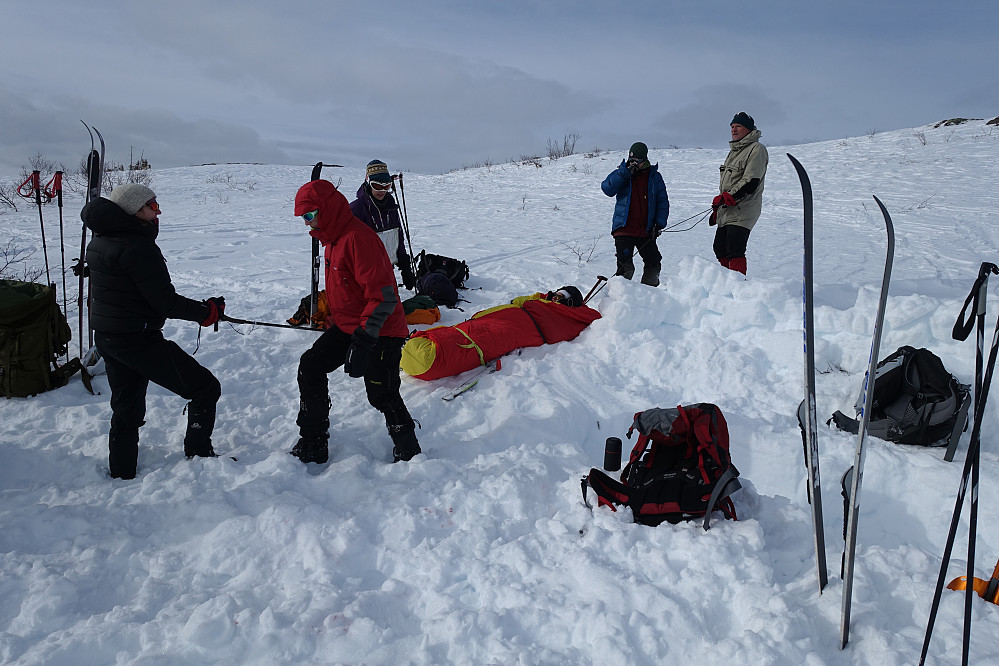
point(740, 203)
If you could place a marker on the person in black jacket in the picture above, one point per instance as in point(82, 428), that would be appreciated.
point(131, 298)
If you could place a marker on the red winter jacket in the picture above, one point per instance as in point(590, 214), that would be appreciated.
point(360, 282)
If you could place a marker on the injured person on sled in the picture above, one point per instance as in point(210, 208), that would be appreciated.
point(527, 321)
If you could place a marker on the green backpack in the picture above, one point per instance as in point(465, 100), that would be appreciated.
point(33, 333)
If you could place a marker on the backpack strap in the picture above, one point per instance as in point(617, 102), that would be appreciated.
point(727, 484)
point(844, 422)
point(960, 423)
point(609, 492)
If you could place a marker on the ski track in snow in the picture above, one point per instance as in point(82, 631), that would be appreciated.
point(481, 551)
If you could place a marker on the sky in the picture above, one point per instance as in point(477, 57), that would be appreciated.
point(435, 86)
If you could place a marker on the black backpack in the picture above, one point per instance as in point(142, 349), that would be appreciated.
point(454, 269)
point(680, 468)
point(916, 401)
point(437, 286)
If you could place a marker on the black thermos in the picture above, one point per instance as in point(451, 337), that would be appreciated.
point(612, 454)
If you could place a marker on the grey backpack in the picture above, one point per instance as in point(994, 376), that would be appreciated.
point(916, 401)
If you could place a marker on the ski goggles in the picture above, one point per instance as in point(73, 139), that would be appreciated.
point(311, 215)
point(153, 206)
point(380, 187)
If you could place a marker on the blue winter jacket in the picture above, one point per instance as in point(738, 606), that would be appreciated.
point(618, 184)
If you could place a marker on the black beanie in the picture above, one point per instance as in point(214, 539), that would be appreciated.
point(573, 297)
point(744, 119)
point(639, 151)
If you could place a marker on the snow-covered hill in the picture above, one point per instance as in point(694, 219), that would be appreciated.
point(481, 551)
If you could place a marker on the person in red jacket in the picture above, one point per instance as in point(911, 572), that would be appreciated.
point(365, 330)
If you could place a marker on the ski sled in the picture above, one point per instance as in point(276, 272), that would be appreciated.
point(986, 589)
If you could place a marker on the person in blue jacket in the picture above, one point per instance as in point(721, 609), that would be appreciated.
point(640, 213)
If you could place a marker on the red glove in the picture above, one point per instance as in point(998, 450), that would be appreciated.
point(723, 199)
point(216, 306)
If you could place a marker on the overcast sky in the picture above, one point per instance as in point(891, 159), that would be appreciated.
point(432, 86)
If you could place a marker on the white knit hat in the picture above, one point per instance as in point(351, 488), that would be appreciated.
point(130, 197)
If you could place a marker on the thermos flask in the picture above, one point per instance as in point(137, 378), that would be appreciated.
point(612, 454)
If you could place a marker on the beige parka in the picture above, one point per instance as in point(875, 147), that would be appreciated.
point(747, 159)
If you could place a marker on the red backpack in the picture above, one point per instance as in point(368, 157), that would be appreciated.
point(680, 468)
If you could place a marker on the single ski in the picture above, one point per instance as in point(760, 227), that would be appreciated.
point(807, 413)
point(316, 263)
point(856, 478)
point(472, 380)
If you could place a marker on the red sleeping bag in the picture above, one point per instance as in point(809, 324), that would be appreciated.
point(529, 321)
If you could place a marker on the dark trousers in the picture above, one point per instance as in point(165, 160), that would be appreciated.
point(624, 249)
point(134, 360)
point(730, 242)
point(381, 383)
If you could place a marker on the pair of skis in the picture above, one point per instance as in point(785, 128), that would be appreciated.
point(807, 411)
point(95, 178)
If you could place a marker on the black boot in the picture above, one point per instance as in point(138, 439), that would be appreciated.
point(405, 444)
point(312, 449)
point(314, 430)
point(198, 440)
point(123, 452)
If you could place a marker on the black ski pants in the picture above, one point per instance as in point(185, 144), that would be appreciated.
point(133, 360)
point(730, 242)
point(625, 247)
point(381, 383)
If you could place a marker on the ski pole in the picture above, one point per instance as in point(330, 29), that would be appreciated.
point(53, 190)
point(970, 462)
point(405, 220)
point(595, 289)
point(35, 189)
point(316, 262)
point(234, 320)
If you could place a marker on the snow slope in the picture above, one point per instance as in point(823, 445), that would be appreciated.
point(481, 551)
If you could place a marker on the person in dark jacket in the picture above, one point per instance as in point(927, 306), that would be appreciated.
point(378, 209)
point(640, 213)
point(366, 327)
point(131, 298)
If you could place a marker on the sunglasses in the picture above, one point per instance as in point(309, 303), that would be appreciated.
point(311, 215)
point(153, 206)
point(380, 187)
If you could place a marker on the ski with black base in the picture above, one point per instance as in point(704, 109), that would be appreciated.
point(807, 413)
point(856, 478)
point(95, 179)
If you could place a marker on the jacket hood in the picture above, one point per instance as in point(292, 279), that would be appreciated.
point(104, 217)
point(334, 211)
point(752, 137)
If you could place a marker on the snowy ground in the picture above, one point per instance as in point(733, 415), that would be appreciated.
point(481, 551)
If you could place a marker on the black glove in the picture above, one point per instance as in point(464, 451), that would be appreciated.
point(361, 344)
point(634, 166)
point(408, 279)
point(216, 307)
